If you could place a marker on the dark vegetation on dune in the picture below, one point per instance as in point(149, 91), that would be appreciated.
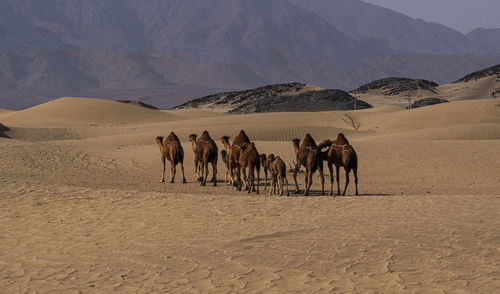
point(493, 70)
point(395, 86)
point(279, 98)
point(427, 102)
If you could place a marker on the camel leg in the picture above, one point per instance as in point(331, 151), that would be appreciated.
point(355, 172)
point(205, 167)
point(330, 168)
point(239, 182)
point(230, 172)
point(265, 177)
point(201, 171)
point(272, 185)
point(214, 170)
point(250, 180)
point(287, 192)
point(297, 190)
point(196, 169)
point(308, 181)
point(172, 170)
point(163, 172)
point(258, 180)
point(182, 168)
point(322, 178)
point(280, 182)
point(245, 183)
point(337, 169)
point(347, 171)
point(306, 176)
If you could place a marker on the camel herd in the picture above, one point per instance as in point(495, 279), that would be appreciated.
point(241, 156)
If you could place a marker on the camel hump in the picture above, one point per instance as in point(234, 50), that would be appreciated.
point(309, 141)
point(205, 136)
point(172, 137)
point(342, 139)
point(241, 138)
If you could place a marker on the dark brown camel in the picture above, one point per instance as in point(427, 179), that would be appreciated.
point(341, 153)
point(308, 155)
point(171, 149)
point(206, 152)
point(278, 174)
point(250, 158)
point(266, 165)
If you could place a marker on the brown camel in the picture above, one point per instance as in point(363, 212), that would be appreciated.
point(192, 138)
point(266, 165)
point(250, 158)
point(308, 155)
point(171, 149)
point(206, 152)
point(233, 152)
point(278, 175)
point(341, 153)
point(232, 164)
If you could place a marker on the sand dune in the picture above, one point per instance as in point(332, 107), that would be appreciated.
point(84, 111)
point(82, 209)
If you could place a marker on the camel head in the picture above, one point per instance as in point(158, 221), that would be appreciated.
point(271, 156)
point(159, 139)
point(262, 157)
point(296, 142)
point(225, 140)
point(192, 137)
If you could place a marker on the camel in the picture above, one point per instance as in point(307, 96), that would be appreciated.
point(341, 153)
point(250, 158)
point(278, 174)
point(233, 152)
point(232, 163)
point(206, 152)
point(309, 156)
point(171, 149)
point(266, 165)
point(192, 138)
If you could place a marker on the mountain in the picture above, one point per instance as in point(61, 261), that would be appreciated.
point(291, 97)
point(165, 52)
point(358, 19)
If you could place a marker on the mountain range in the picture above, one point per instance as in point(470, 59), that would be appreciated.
point(166, 52)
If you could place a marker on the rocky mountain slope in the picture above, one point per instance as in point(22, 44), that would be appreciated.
point(166, 52)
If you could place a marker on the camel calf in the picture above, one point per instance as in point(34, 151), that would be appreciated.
point(278, 175)
point(171, 149)
point(266, 165)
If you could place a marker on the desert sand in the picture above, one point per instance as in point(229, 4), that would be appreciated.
point(82, 209)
